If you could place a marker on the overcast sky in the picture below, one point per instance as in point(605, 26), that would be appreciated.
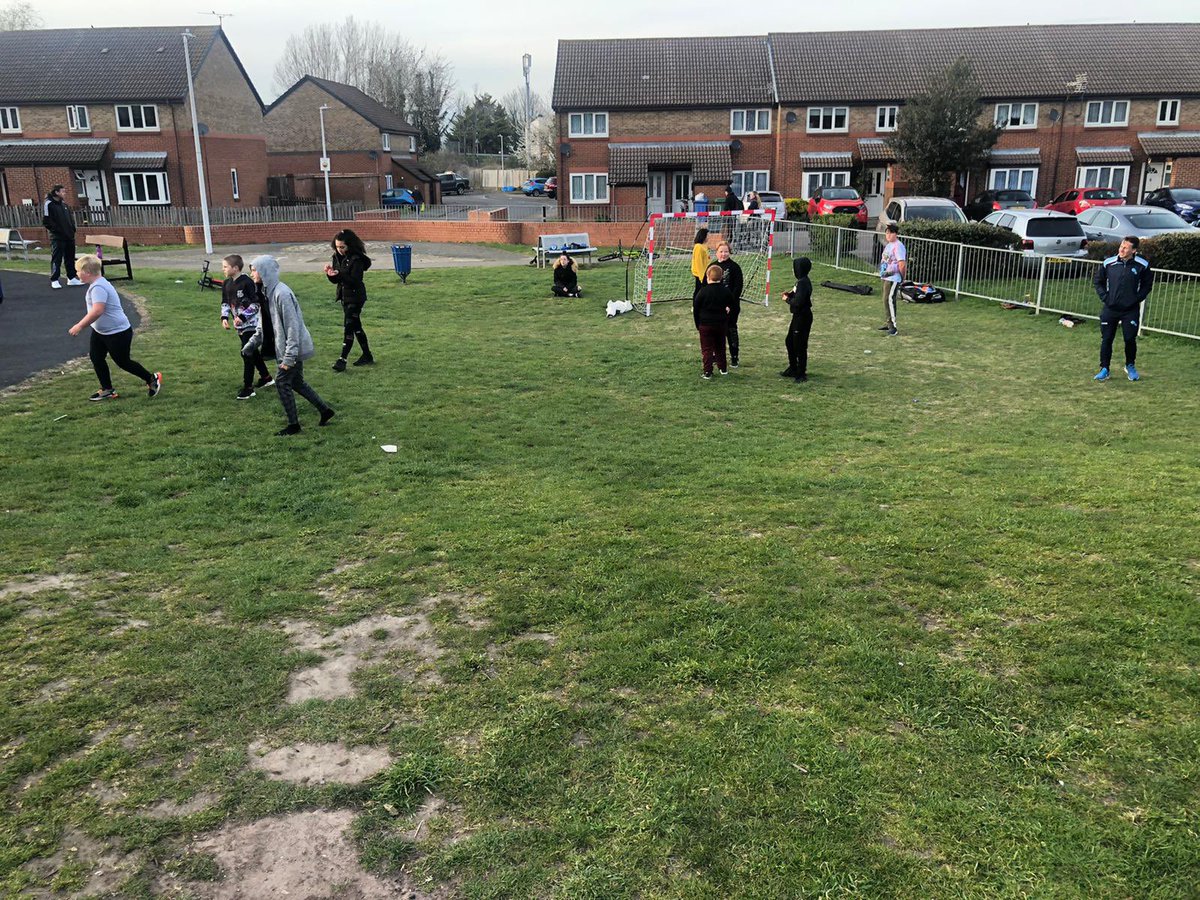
point(484, 39)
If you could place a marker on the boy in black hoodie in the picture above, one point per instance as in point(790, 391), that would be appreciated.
point(799, 299)
point(710, 312)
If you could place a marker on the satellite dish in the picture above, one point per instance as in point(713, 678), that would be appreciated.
point(735, 146)
point(564, 149)
point(1053, 115)
point(203, 129)
point(791, 118)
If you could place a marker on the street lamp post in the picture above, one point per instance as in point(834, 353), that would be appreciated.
point(526, 65)
point(325, 165)
point(187, 57)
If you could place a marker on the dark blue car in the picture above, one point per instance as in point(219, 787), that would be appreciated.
point(397, 197)
point(1185, 202)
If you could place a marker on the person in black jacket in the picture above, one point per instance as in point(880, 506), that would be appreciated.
point(566, 277)
point(1122, 283)
point(732, 279)
point(350, 261)
point(58, 221)
point(799, 299)
point(732, 203)
point(710, 312)
point(240, 302)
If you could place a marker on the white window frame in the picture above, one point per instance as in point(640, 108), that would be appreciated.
point(142, 107)
point(388, 182)
point(233, 181)
point(78, 118)
point(10, 120)
point(883, 114)
point(753, 121)
point(1016, 109)
point(1171, 107)
point(753, 176)
point(412, 143)
point(164, 188)
point(824, 178)
point(832, 113)
point(586, 178)
point(1009, 171)
point(387, 142)
point(584, 125)
point(1113, 121)
point(1103, 177)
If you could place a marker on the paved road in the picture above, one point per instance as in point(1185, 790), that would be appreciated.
point(33, 326)
point(311, 256)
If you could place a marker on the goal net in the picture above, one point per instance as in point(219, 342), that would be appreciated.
point(664, 269)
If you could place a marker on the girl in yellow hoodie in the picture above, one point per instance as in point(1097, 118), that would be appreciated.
point(699, 260)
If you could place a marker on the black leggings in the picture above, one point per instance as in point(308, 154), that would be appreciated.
point(731, 334)
point(351, 329)
point(117, 346)
point(797, 341)
point(1109, 320)
point(252, 362)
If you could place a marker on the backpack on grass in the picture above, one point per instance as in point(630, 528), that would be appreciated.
point(920, 293)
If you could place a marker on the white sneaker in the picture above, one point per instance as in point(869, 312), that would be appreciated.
point(56, 285)
point(74, 282)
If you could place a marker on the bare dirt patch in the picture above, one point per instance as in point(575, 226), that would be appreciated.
point(319, 763)
point(105, 868)
point(31, 585)
point(169, 809)
point(348, 648)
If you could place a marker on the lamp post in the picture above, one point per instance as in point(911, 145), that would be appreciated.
point(187, 58)
point(325, 165)
point(526, 65)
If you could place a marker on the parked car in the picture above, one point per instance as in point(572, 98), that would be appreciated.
point(773, 200)
point(843, 201)
point(1076, 200)
point(464, 183)
point(397, 197)
point(551, 187)
point(1184, 202)
point(909, 209)
point(534, 187)
point(1115, 222)
point(990, 201)
point(450, 183)
point(1043, 233)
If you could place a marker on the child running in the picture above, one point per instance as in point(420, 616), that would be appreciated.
point(112, 333)
point(239, 300)
point(710, 312)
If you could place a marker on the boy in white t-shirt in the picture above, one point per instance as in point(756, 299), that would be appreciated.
point(112, 334)
point(893, 265)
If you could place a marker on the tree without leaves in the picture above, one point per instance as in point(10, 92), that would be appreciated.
point(514, 104)
point(19, 16)
point(939, 132)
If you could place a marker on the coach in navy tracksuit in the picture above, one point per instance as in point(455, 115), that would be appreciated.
point(1123, 282)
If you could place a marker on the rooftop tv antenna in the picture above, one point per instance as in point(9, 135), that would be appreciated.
point(221, 17)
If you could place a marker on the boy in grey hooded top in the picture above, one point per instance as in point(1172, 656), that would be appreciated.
point(293, 343)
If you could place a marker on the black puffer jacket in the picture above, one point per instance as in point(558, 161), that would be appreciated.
point(349, 278)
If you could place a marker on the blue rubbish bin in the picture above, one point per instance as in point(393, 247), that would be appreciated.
point(402, 260)
point(701, 203)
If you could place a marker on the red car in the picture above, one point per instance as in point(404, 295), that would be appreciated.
point(1075, 201)
point(842, 201)
point(551, 187)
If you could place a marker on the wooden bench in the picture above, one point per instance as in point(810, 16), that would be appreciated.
point(113, 242)
point(573, 245)
point(12, 240)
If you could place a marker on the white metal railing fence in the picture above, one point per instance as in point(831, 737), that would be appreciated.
point(1045, 284)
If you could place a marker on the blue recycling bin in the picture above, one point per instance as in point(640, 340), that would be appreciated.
point(701, 203)
point(402, 260)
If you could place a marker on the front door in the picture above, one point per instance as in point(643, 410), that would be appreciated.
point(681, 191)
point(876, 183)
point(1155, 169)
point(89, 187)
point(656, 196)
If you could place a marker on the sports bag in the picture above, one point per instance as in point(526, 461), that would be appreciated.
point(920, 293)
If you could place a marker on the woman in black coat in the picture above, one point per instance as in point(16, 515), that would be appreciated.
point(350, 261)
point(566, 278)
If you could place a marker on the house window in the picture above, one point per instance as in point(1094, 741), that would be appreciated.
point(750, 121)
point(885, 118)
point(387, 143)
point(1016, 115)
point(77, 119)
point(233, 180)
point(814, 180)
point(143, 188)
point(81, 185)
point(1107, 112)
point(137, 118)
point(1168, 112)
point(749, 180)
point(828, 118)
point(388, 182)
point(588, 124)
point(10, 119)
point(1115, 177)
point(1168, 171)
point(588, 187)
point(1013, 180)
point(412, 144)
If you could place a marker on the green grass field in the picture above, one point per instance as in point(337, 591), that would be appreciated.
point(925, 626)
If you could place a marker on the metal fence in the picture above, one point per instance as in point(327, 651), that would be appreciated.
point(1045, 284)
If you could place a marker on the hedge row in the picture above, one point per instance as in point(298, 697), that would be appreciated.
point(1178, 252)
point(974, 234)
point(824, 240)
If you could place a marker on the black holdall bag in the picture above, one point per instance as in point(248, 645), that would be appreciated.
point(912, 292)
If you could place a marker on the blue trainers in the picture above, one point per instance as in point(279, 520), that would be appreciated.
point(1102, 375)
point(1131, 372)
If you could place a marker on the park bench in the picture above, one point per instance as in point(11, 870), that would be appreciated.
point(573, 245)
point(12, 240)
point(112, 242)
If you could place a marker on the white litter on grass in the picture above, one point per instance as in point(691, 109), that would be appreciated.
point(616, 307)
point(388, 448)
point(867, 351)
point(179, 281)
point(60, 418)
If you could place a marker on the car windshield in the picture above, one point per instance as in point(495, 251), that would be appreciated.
point(1162, 219)
point(1101, 195)
point(1053, 227)
point(934, 213)
point(839, 194)
point(767, 197)
point(1185, 195)
point(1013, 196)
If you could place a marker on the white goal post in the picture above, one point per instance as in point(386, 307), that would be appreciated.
point(666, 261)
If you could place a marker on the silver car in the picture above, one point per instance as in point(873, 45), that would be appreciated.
point(1111, 223)
point(1043, 232)
point(908, 209)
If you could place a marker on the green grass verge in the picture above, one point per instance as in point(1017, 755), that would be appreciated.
point(924, 626)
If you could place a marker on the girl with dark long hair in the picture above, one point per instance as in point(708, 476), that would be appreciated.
point(346, 270)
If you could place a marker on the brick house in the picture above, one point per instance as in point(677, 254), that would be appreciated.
point(371, 148)
point(105, 112)
point(644, 123)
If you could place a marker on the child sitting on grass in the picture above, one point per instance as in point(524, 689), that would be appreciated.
point(566, 277)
